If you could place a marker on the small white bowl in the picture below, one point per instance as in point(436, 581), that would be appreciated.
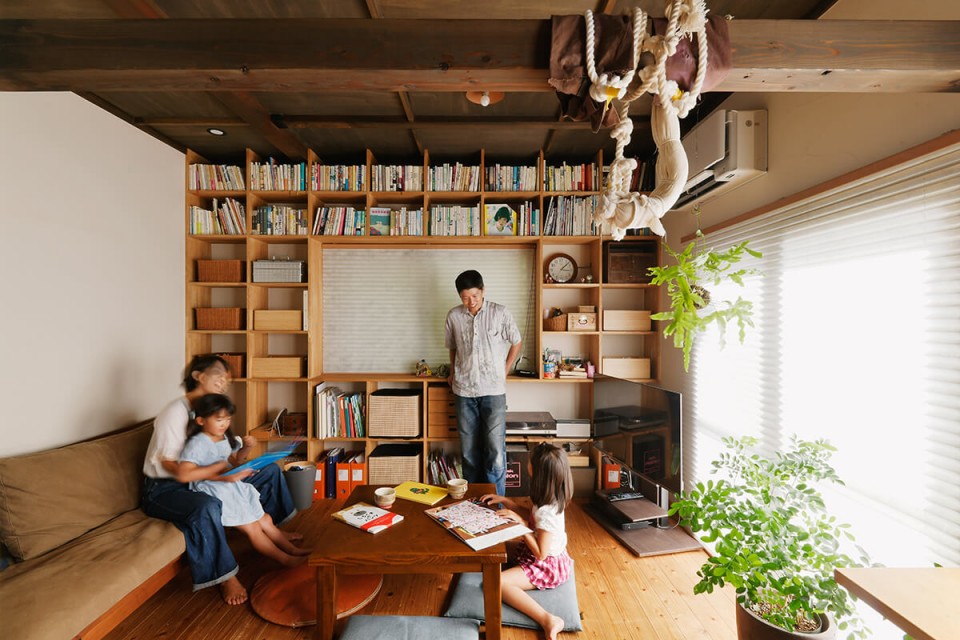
point(457, 488)
point(384, 497)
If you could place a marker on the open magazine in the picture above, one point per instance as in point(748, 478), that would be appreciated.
point(268, 458)
point(476, 524)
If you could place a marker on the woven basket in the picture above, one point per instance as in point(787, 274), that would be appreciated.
point(393, 464)
point(236, 362)
point(556, 323)
point(394, 413)
point(219, 270)
point(220, 318)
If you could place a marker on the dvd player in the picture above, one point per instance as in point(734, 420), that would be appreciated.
point(531, 423)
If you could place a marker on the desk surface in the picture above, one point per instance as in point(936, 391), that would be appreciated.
point(922, 602)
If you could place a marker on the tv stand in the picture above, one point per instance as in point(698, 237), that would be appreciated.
point(625, 520)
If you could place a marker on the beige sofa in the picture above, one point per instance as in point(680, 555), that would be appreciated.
point(86, 554)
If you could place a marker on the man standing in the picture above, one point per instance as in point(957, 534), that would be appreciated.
point(484, 341)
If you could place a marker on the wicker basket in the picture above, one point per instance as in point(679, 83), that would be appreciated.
point(394, 413)
point(393, 464)
point(556, 323)
point(220, 318)
point(236, 362)
point(220, 271)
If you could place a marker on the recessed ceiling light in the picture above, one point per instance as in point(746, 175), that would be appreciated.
point(216, 132)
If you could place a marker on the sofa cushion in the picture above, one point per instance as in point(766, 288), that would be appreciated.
point(51, 497)
point(467, 602)
point(409, 628)
point(58, 594)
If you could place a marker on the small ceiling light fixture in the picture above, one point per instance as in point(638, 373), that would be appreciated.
point(216, 132)
point(484, 98)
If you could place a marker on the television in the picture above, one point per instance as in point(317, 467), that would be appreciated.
point(639, 426)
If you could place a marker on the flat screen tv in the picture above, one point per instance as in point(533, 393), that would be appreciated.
point(639, 425)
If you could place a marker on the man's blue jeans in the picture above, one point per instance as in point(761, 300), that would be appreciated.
point(197, 515)
point(482, 423)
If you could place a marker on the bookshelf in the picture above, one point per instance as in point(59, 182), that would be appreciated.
point(274, 330)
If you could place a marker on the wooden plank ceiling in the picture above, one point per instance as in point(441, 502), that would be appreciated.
point(281, 76)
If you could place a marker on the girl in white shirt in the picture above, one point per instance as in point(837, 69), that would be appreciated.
point(541, 557)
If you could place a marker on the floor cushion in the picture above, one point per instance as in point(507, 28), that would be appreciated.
point(409, 628)
point(467, 602)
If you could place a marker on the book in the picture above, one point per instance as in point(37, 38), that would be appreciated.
point(419, 492)
point(261, 461)
point(476, 524)
point(499, 220)
point(367, 517)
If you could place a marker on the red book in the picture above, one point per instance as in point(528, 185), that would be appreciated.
point(367, 517)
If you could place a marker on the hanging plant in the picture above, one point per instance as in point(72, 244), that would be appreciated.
point(688, 284)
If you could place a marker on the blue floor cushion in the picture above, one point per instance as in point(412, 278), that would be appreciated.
point(467, 602)
point(409, 628)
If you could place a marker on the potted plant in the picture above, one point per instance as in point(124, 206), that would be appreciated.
point(773, 540)
point(691, 312)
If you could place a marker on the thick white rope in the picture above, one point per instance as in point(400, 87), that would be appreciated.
point(619, 206)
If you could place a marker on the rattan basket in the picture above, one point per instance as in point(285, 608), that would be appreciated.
point(236, 362)
point(220, 318)
point(394, 413)
point(556, 323)
point(220, 271)
point(393, 464)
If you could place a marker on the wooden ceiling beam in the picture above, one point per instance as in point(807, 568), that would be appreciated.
point(440, 122)
point(283, 55)
point(249, 109)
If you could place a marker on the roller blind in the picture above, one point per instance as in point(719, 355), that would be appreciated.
point(857, 341)
point(384, 309)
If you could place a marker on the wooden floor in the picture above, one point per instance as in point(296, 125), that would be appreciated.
point(621, 596)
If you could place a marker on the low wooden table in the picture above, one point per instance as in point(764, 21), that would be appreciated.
point(416, 545)
point(919, 601)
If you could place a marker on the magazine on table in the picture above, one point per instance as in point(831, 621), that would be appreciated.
point(367, 517)
point(476, 524)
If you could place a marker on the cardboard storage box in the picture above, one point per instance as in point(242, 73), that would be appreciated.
point(276, 367)
point(279, 320)
point(220, 318)
point(626, 368)
point(623, 320)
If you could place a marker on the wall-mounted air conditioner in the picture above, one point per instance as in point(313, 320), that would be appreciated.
point(725, 150)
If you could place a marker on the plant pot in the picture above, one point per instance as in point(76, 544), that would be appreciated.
point(752, 627)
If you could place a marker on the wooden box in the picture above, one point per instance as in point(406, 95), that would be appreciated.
point(276, 367)
point(626, 368)
point(236, 362)
point(394, 413)
point(627, 262)
point(277, 320)
point(623, 320)
point(220, 318)
point(220, 271)
point(577, 321)
point(394, 463)
point(441, 413)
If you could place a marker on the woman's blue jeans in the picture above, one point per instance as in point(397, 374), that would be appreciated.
point(482, 423)
point(197, 515)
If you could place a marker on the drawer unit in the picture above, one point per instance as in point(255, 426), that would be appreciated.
point(441, 414)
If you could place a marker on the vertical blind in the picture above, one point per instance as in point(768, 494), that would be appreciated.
point(857, 340)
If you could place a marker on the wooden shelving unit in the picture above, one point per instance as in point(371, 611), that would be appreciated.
point(259, 397)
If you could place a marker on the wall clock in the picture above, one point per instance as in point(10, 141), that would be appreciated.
point(561, 268)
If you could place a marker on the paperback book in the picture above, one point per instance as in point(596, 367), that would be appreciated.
point(367, 517)
point(419, 492)
point(475, 524)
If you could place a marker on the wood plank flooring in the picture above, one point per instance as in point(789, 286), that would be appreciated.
point(621, 597)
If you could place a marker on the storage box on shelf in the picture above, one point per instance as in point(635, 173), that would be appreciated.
point(220, 318)
point(277, 320)
point(276, 367)
point(626, 320)
point(394, 413)
point(220, 271)
point(394, 463)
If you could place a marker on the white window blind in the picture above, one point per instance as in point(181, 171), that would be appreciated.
point(857, 340)
point(384, 309)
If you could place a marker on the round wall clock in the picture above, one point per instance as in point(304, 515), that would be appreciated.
point(561, 268)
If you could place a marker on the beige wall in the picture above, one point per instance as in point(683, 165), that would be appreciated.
point(91, 271)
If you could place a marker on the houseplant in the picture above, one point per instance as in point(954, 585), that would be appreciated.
point(697, 268)
point(774, 541)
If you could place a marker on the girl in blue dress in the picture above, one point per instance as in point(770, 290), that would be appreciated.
point(211, 441)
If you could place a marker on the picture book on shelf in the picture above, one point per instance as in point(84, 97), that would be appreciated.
point(477, 525)
point(368, 517)
point(419, 492)
point(499, 220)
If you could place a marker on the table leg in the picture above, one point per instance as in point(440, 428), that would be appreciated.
point(326, 602)
point(492, 607)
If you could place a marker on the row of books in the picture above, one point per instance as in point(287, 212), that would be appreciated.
point(511, 178)
point(578, 177)
point(571, 216)
point(273, 176)
point(226, 218)
point(397, 177)
point(443, 467)
point(385, 221)
point(338, 177)
point(338, 414)
point(339, 472)
point(216, 177)
point(279, 220)
point(454, 220)
point(340, 221)
point(455, 177)
point(528, 220)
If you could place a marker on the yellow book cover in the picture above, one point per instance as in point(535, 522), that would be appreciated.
point(419, 492)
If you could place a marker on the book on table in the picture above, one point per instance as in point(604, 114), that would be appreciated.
point(262, 461)
point(475, 524)
point(419, 492)
point(368, 517)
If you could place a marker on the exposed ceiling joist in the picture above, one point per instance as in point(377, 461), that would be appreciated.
point(442, 55)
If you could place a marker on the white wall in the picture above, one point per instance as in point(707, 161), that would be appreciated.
point(91, 272)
